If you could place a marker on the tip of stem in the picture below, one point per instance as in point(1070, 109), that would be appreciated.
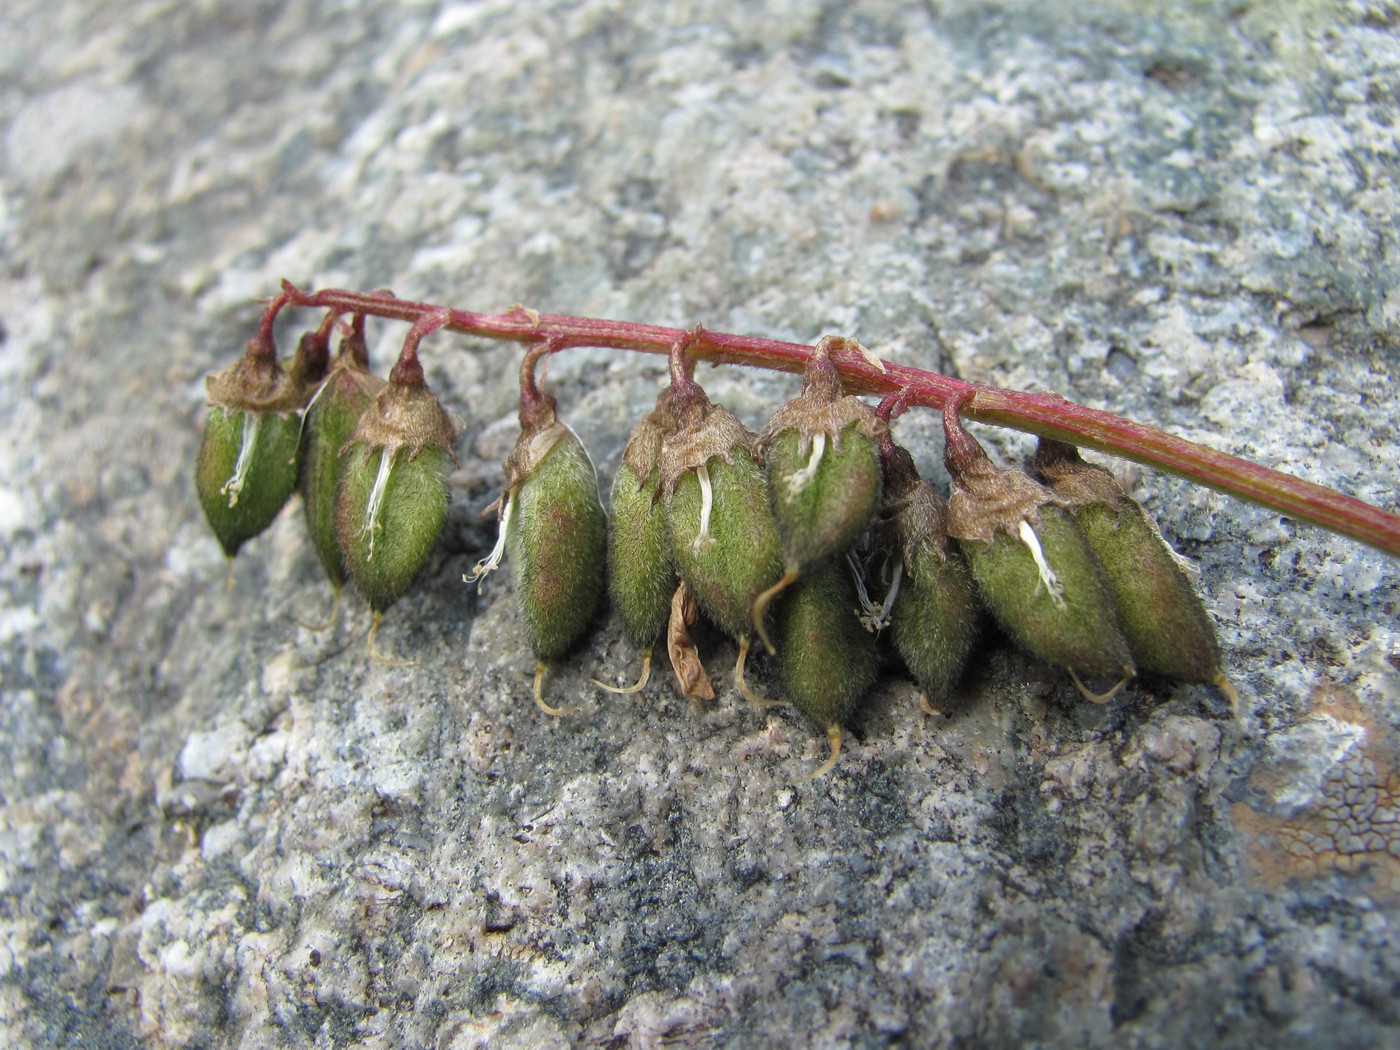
point(833, 734)
point(760, 607)
point(1099, 698)
point(1231, 693)
point(961, 450)
point(637, 686)
point(374, 653)
point(742, 685)
point(537, 409)
point(684, 388)
point(557, 712)
point(408, 370)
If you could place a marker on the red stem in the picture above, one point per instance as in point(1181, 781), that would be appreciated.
point(1042, 414)
point(408, 370)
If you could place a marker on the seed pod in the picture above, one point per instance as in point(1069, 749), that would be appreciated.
point(553, 526)
point(933, 608)
point(1167, 627)
point(720, 525)
point(1032, 563)
point(827, 662)
point(392, 501)
point(248, 465)
point(330, 422)
point(559, 544)
point(823, 470)
point(641, 577)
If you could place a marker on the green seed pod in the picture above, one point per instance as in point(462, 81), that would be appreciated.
point(553, 525)
point(1049, 593)
point(1167, 627)
point(934, 608)
point(391, 509)
point(720, 524)
point(393, 497)
point(826, 660)
point(559, 545)
point(247, 471)
point(822, 512)
point(248, 461)
point(1032, 564)
point(330, 423)
point(641, 576)
point(823, 470)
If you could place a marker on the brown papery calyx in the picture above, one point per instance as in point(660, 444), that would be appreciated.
point(822, 407)
point(406, 414)
point(1078, 483)
point(987, 498)
point(256, 383)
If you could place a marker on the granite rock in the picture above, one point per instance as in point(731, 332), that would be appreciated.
point(219, 828)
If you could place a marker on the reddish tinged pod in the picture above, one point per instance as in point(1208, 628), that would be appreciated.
point(718, 521)
point(823, 471)
point(721, 528)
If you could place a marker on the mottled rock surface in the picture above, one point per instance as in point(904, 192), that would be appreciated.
point(218, 828)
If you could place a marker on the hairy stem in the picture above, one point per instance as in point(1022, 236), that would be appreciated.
point(1042, 414)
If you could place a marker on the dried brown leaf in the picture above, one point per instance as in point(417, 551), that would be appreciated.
point(691, 675)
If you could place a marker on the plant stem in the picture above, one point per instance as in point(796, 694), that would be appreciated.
point(1041, 414)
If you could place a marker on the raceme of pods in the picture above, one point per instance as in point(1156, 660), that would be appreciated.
point(784, 537)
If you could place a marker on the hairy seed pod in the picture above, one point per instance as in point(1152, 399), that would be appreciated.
point(247, 471)
point(826, 660)
point(248, 460)
point(934, 612)
point(1032, 564)
point(823, 470)
point(1167, 626)
point(720, 524)
point(558, 545)
point(554, 528)
point(393, 497)
point(641, 576)
point(330, 422)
